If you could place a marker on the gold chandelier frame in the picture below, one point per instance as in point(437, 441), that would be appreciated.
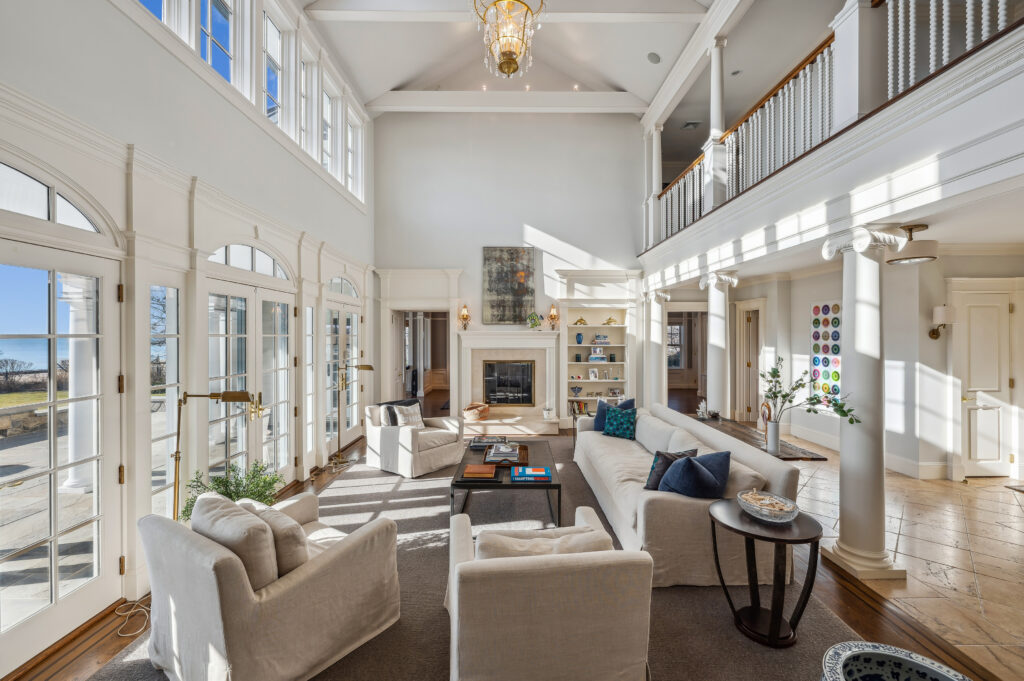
point(509, 26)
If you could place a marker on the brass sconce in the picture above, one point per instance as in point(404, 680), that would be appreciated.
point(553, 316)
point(464, 317)
point(942, 316)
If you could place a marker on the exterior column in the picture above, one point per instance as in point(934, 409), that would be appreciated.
point(860, 62)
point(860, 549)
point(82, 415)
point(419, 355)
point(717, 285)
point(715, 166)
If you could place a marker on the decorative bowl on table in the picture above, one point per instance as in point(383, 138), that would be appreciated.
point(767, 507)
point(864, 661)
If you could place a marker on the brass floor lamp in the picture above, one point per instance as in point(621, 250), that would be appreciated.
point(234, 396)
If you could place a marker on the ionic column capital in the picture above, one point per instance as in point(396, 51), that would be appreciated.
point(860, 239)
point(720, 280)
point(719, 41)
point(656, 297)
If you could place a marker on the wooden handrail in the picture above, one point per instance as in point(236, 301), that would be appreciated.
point(877, 3)
point(681, 175)
point(782, 83)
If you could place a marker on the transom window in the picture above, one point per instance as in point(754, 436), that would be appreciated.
point(303, 106)
point(26, 195)
point(327, 143)
point(353, 153)
point(342, 286)
point(272, 70)
point(154, 6)
point(215, 35)
point(245, 257)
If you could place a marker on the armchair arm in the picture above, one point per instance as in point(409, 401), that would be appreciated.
point(409, 438)
point(452, 423)
point(460, 549)
point(587, 517)
point(302, 508)
point(584, 423)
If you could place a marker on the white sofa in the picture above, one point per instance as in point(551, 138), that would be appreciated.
point(209, 624)
point(673, 528)
point(413, 451)
point(548, 617)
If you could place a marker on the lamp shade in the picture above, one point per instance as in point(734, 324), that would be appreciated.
point(943, 315)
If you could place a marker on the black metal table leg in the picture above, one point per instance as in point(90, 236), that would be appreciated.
point(559, 505)
point(718, 568)
point(805, 594)
point(755, 592)
point(778, 595)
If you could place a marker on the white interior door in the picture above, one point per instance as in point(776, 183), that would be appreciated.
point(983, 368)
point(60, 507)
point(749, 358)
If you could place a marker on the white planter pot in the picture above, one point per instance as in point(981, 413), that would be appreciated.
point(773, 437)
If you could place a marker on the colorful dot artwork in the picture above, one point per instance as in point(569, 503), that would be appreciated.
point(825, 323)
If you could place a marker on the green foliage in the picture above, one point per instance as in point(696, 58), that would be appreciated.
point(782, 399)
point(257, 484)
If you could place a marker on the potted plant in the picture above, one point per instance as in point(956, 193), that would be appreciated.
point(780, 399)
point(258, 484)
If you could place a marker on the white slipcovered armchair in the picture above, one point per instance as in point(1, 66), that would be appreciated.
point(548, 617)
point(412, 451)
point(209, 623)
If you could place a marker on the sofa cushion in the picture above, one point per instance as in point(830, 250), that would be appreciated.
point(702, 477)
point(742, 478)
point(662, 461)
point(289, 539)
point(683, 440)
point(408, 415)
point(436, 437)
point(622, 465)
point(218, 518)
point(654, 434)
point(498, 545)
point(620, 423)
point(602, 411)
point(320, 537)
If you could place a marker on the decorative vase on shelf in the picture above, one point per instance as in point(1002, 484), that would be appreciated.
point(772, 437)
point(579, 339)
point(579, 357)
point(576, 390)
point(611, 357)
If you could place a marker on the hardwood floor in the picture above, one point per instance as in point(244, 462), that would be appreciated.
point(683, 401)
point(435, 403)
point(866, 608)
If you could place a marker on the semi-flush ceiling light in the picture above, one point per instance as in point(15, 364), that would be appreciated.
point(508, 33)
point(913, 252)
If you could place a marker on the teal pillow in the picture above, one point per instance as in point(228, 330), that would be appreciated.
point(620, 423)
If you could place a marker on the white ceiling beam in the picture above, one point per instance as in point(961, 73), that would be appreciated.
point(506, 101)
point(456, 11)
point(720, 19)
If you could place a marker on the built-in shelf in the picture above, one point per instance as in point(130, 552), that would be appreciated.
point(618, 372)
point(596, 380)
point(597, 345)
point(604, 364)
point(596, 326)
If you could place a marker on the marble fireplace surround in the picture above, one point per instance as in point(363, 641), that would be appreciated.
point(539, 346)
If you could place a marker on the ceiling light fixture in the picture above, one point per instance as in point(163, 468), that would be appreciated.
point(508, 26)
point(913, 252)
point(654, 57)
point(690, 125)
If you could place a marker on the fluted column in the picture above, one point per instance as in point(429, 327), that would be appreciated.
point(715, 178)
point(860, 549)
point(717, 285)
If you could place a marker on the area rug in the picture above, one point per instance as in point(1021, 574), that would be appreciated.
point(1016, 488)
point(692, 633)
point(752, 436)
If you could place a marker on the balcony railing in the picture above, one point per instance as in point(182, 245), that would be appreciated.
point(682, 202)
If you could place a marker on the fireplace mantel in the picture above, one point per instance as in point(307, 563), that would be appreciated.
point(510, 339)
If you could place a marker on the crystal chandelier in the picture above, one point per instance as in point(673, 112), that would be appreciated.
point(508, 33)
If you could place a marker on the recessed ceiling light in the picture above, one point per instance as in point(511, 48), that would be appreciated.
point(736, 72)
point(690, 125)
point(654, 57)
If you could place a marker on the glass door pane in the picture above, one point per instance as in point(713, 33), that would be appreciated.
point(276, 366)
point(352, 388)
point(228, 364)
point(332, 362)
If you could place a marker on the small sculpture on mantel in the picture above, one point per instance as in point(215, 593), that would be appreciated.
point(611, 321)
point(580, 322)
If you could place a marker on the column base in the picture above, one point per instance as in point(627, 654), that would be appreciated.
point(860, 564)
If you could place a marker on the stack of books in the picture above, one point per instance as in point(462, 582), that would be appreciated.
point(481, 442)
point(507, 453)
point(480, 472)
point(531, 474)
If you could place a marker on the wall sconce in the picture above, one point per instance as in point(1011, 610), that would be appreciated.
point(464, 316)
point(553, 316)
point(941, 316)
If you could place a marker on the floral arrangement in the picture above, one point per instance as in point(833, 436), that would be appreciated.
point(781, 399)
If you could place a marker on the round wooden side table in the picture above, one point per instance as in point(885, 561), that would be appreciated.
point(767, 626)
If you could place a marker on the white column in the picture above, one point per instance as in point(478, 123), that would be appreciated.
point(859, 64)
point(429, 334)
point(655, 367)
point(860, 549)
point(717, 285)
point(82, 415)
point(654, 207)
point(419, 354)
point(716, 180)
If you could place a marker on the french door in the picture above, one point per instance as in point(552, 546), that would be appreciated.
point(250, 349)
point(343, 386)
point(60, 508)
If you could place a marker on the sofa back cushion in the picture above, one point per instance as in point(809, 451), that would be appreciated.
point(407, 415)
point(581, 540)
point(702, 477)
point(289, 538)
point(662, 461)
point(218, 518)
point(742, 478)
point(654, 434)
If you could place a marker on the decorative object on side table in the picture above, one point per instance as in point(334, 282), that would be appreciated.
point(780, 399)
point(767, 507)
point(864, 661)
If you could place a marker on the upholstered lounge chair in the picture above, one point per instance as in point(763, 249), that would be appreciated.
point(412, 451)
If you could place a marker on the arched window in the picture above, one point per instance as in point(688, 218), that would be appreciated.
point(248, 258)
point(342, 286)
point(20, 193)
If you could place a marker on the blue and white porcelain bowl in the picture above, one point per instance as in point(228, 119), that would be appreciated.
point(863, 661)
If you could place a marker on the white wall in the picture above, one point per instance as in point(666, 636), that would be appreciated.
point(804, 294)
point(450, 184)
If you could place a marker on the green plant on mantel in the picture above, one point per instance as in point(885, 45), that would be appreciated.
point(781, 399)
point(257, 484)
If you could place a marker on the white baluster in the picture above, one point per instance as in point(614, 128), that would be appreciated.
point(986, 19)
point(933, 35)
point(829, 88)
point(792, 119)
point(1001, 15)
point(945, 32)
point(901, 45)
point(757, 145)
point(891, 33)
point(912, 43)
point(970, 24)
point(806, 113)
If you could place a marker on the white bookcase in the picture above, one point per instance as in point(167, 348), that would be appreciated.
point(593, 378)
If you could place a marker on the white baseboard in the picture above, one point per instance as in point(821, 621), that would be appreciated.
point(902, 465)
point(815, 436)
point(933, 470)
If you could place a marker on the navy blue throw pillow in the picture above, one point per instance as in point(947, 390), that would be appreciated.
point(703, 477)
point(602, 412)
point(662, 461)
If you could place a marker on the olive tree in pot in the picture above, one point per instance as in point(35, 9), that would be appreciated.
point(258, 483)
point(781, 399)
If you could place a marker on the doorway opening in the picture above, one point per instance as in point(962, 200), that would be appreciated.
point(686, 354)
point(424, 352)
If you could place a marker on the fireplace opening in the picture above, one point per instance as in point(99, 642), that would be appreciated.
point(508, 382)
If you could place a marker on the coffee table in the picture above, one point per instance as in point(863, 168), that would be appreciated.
point(539, 455)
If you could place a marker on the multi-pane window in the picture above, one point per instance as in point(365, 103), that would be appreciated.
point(353, 153)
point(332, 364)
point(309, 383)
point(248, 258)
point(154, 6)
point(49, 437)
point(303, 106)
point(327, 137)
point(215, 35)
point(165, 388)
point(674, 349)
point(351, 359)
point(272, 70)
point(227, 332)
point(276, 375)
point(22, 194)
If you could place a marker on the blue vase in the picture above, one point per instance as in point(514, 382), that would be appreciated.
point(579, 339)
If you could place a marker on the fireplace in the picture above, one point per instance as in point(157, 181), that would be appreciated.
point(508, 382)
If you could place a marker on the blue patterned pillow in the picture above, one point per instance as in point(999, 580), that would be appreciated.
point(602, 411)
point(703, 477)
point(620, 423)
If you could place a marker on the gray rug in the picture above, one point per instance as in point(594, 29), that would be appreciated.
point(692, 634)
